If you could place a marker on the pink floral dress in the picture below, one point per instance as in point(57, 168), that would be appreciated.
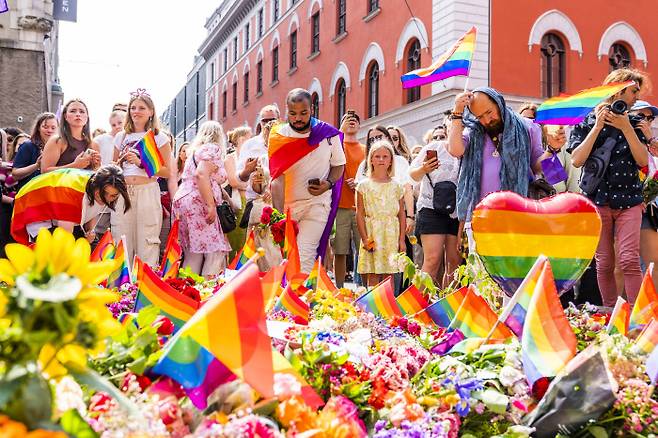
point(196, 235)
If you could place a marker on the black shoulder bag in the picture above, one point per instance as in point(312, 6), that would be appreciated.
point(444, 196)
point(225, 213)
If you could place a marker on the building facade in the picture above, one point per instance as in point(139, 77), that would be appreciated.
point(29, 83)
point(350, 54)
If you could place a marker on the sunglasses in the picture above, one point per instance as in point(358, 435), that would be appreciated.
point(645, 117)
point(439, 137)
point(266, 121)
point(375, 138)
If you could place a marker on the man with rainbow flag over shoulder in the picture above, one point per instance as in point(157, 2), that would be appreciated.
point(307, 161)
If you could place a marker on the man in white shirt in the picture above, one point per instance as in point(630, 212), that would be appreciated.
point(306, 186)
point(254, 151)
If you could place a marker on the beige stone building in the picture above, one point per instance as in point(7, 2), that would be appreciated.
point(29, 83)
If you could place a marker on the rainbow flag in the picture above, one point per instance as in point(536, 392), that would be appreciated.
point(514, 313)
point(319, 279)
point(548, 342)
point(475, 319)
point(172, 254)
point(455, 62)
point(247, 252)
point(152, 290)
point(442, 312)
point(56, 195)
point(4, 7)
point(121, 275)
point(271, 283)
point(512, 251)
point(646, 305)
point(380, 300)
point(128, 318)
point(412, 301)
point(620, 317)
point(149, 154)
point(228, 338)
point(290, 302)
point(290, 250)
point(104, 248)
point(648, 338)
point(571, 110)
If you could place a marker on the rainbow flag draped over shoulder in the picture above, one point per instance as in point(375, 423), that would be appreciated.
point(172, 254)
point(548, 342)
point(149, 154)
point(290, 302)
point(455, 62)
point(248, 251)
point(104, 248)
point(646, 305)
point(380, 300)
point(620, 317)
point(319, 279)
point(121, 275)
point(648, 338)
point(475, 319)
point(228, 337)
point(153, 291)
point(56, 195)
point(442, 312)
point(411, 301)
point(571, 110)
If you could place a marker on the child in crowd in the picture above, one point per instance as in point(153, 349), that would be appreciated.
point(380, 215)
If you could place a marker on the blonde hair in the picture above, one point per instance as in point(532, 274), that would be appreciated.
point(385, 144)
point(209, 132)
point(404, 146)
point(153, 123)
point(236, 133)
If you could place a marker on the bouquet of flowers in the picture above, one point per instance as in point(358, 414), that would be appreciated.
point(276, 221)
point(650, 188)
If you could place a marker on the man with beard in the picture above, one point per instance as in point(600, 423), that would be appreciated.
point(500, 150)
point(306, 161)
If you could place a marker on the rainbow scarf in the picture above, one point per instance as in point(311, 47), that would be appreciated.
point(455, 62)
point(646, 305)
point(247, 252)
point(648, 338)
point(443, 311)
point(571, 110)
point(153, 291)
point(548, 342)
point(514, 313)
point(172, 254)
point(56, 195)
point(290, 302)
point(411, 301)
point(228, 337)
point(620, 317)
point(475, 319)
point(121, 275)
point(319, 279)
point(149, 154)
point(380, 300)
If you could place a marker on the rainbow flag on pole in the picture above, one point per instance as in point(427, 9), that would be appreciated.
point(290, 250)
point(548, 342)
point(475, 319)
point(514, 313)
point(571, 110)
point(443, 311)
point(455, 62)
point(149, 154)
point(172, 254)
point(319, 279)
point(648, 338)
point(152, 290)
point(271, 283)
point(620, 317)
point(646, 305)
point(121, 275)
point(412, 301)
point(105, 249)
point(248, 251)
point(290, 301)
point(380, 300)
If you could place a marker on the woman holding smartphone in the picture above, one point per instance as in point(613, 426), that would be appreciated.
point(438, 230)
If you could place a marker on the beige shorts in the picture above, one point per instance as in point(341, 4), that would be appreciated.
point(346, 231)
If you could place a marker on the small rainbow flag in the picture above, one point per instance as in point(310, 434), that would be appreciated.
point(104, 248)
point(411, 301)
point(620, 317)
point(514, 313)
point(571, 110)
point(475, 319)
point(455, 62)
point(548, 342)
point(290, 250)
point(121, 275)
point(152, 290)
point(149, 154)
point(380, 300)
point(319, 279)
point(172, 254)
point(443, 311)
point(247, 252)
point(648, 338)
point(290, 301)
point(646, 304)
point(128, 318)
point(271, 283)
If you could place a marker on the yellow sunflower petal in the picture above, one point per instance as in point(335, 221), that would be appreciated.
point(63, 243)
point(3, 304)
point(7, 272)
point(20, 256)
point(42, 249)
point(97, 271)
point(50, 365)
point(73, 356)
point(79, 258)
point(97, 296)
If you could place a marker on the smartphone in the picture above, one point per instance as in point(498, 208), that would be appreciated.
point(430, 155)
point(314, 182)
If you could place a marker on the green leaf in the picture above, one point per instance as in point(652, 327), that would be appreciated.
point(32, 402)
point(494, 400)
point(76, 426)
point(138, 366)
point(598, 432)
point(8, 388)
point(147, 316)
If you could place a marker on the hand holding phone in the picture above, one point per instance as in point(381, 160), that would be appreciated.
point(314, 182)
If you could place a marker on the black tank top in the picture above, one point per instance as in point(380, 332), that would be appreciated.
point(75, 148)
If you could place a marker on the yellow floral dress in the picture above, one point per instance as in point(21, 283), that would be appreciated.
point(381, 202)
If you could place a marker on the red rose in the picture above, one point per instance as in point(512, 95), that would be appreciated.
point(266, 215)
point(166, 327)
point(191, 292)
point(99, 403)
point(540, 387)
point(169, 412)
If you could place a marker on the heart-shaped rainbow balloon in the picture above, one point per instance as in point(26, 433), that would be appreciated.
point(511, 231)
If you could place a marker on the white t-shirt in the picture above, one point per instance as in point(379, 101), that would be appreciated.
point(89, 212)
point(448, 171)
point(253, 148)
point(316, 164)
point(106, 146)
point(123, 141)
point(400, 171)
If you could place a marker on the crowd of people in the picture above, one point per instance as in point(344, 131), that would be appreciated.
point(355, 204)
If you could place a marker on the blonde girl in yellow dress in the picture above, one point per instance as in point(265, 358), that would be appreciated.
point(380, 215)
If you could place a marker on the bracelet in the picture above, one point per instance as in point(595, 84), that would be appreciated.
point(455, 116)
point(411, 217)
point(331, 183)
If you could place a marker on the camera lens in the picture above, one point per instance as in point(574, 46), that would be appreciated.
point(618, 107)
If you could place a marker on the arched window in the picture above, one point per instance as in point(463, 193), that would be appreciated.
point(315, 105)
point(413, 63)
point(619, 56)
point(552, 65)
point(341, 97)
point(373, 90)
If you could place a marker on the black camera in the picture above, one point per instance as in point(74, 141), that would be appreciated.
point(618, 107)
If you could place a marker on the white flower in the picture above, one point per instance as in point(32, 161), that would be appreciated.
point(60, 288)
point(509, 375)
point(68, 395)
point(324, 324)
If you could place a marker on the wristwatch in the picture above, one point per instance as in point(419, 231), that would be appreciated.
point(331, 183)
